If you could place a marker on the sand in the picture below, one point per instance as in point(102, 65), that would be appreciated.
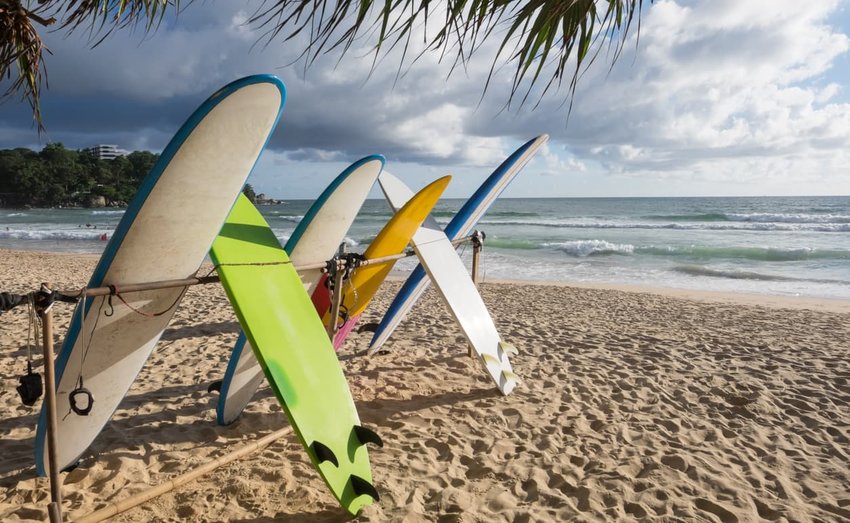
point(635, 405)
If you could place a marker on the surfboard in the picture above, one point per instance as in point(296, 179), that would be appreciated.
point(445, 268)
point(315, 239)
point(461, 225)
point(361, 287)
point(164, 234)
point(294, 351)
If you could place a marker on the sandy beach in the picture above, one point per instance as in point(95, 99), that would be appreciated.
point(636, 404)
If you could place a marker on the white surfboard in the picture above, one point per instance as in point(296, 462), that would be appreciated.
point(445, 268)
point(461, 225)
point(165, 234)
point(315, 239)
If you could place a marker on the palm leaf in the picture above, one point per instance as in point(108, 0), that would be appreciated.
point(539, 37)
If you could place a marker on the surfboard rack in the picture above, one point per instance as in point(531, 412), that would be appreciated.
point(46, 297)
point(365, 435)
point(361, 487)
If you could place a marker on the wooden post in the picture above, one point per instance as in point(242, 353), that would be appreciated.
point(477, 244)
point(137, 499)
point(337, 295)
point(55, 508)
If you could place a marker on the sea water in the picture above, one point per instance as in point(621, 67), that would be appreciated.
point(796, 246)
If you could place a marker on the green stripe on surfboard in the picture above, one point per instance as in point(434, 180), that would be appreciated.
point(293, 349)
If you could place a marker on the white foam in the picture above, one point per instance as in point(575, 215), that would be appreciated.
point(766, 217)
point(583, 248)
point(710, 226)
point(55, 235)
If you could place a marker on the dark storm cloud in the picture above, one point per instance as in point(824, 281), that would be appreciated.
point(711, 83)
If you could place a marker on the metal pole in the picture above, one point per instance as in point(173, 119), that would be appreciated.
point(336, 299)
point(55, 507)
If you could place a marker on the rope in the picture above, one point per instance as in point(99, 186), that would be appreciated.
point(249, 264)
point(32, 329)
point(141, 312)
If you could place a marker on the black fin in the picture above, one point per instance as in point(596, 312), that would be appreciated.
point(214, 386)
point(72, 466)
point(369, 327)
point(365, 436)
point(324, 453)
point(361, 486)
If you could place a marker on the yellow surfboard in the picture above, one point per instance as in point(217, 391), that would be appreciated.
point(393, 238)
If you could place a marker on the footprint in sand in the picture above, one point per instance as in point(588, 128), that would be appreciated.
point(709, 506)
point(675, 462)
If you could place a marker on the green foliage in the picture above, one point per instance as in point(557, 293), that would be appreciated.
point(57, 176)
point(249, 192)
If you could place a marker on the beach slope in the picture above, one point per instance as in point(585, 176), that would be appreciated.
point(635, 405)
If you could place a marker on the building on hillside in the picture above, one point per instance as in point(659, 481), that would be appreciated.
point(107, 151)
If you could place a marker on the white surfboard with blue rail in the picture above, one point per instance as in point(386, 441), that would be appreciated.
point(165, 234)
point(315, 239)
point(461, 225)
point(447, 271)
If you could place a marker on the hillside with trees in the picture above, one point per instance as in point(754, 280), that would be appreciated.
point(60, 177)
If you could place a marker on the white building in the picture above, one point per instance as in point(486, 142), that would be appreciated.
point(107, 151)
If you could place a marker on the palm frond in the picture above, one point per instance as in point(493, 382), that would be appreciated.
point(541, 38)
point(553, 37)
point(22, 49)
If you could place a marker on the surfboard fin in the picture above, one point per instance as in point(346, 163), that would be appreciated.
point(489, 358)
point(214, 386)
point(508, 348)
point(368, 327)
point(324, 453)
point(361, 486)
point(510, 376)
point(365, 436)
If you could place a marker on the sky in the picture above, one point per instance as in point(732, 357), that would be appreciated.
point(716, 98)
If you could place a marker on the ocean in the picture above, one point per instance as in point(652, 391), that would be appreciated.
point(792, 246)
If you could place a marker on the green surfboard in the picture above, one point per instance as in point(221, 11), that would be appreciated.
point(295, 353)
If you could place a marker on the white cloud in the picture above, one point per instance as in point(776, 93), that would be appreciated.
point(719, 91)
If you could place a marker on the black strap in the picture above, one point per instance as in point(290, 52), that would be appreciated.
point(75, 394)
point(8, 301)
point(31, 387)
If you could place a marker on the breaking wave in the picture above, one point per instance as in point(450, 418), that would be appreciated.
point(83, 235)
point(697, 270)
point(712, 226)
point(584, 248)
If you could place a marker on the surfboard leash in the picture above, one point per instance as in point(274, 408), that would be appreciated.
point(113, 291)
point(31, 388)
